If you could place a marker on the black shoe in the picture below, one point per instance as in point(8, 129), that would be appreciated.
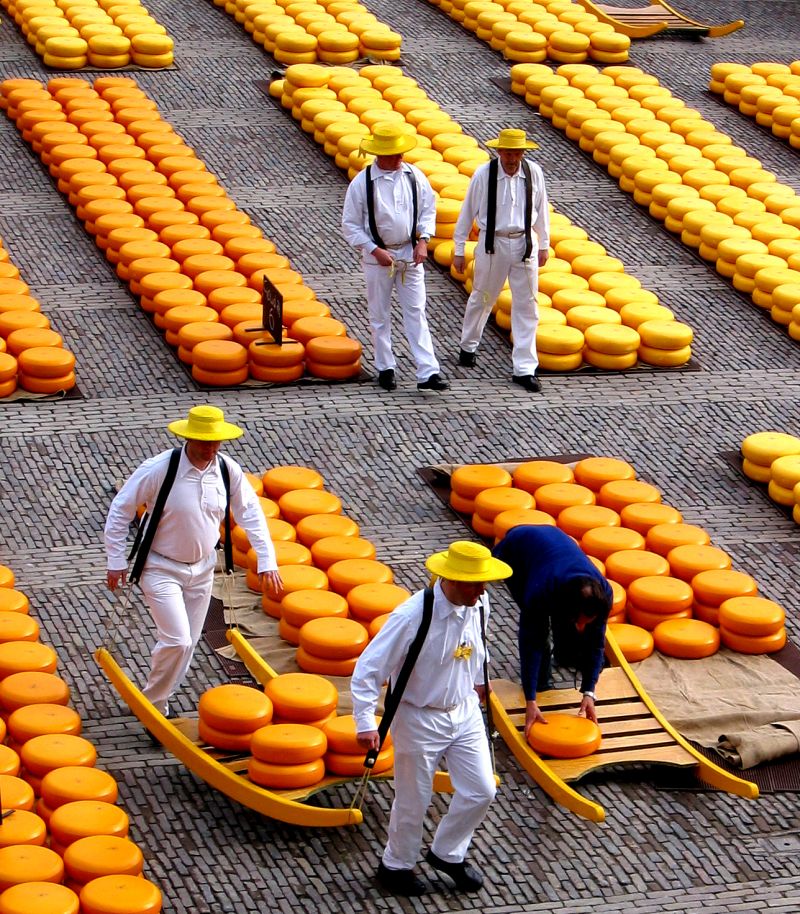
point(529, 381)
point(400, 882)
point(467, 878)
point(434, 382)
point(467, 359)
point(386, 379)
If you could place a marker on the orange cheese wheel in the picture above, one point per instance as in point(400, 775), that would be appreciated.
point(12, 322)
point(660, 594)
point(280, 480)
point(317, 526)
point(16, 793)
point(333, 638)
point(579, 519)
point(377, 624)
point(24, 827)
point(324, 666)
point(641, 516)
point(715, 587)
point(350, 766)
point(26, 656)
point(662, 538)
point(219, 355)
point(594, 472)
point(289, 744)
point(301, 606)
point(32, 688)
point(619, 598)
point(689, 639)
point(289, 633)
point(46, 385)
point(648, 620)
point(303, 577)
point(369, 601)
point(18, 627)
point(687, 561)
point(297, 504)
point(629, 564)
point(290, 554)
point(307, 328)
point(636, 643)
point(333, 350)
point(744, 644)
point(565, 736)
point(301, 697)
point(289, 354)
point(43, 753)
point(235, 708)
point(333, 372)
point(102, 855)
point(536, 473)
point(600, 542)
point(507, 520)
point(705, 613)
point(36, 720)
point(9, 762)
point(467, 481)
point(332, 549)
point(343, 576)
point(461, 504)
point(76, 782)
point(280, 530)
point(493, 501)
point(8, 365)
point(754, 617)
point(29, 863)
point(39, 898)
point(219, 378)
point(222, 739)
point(285, 777)
point(118, 893)
point(621, 492)
point(342, 736)
point(46, 362)
point(554, 497)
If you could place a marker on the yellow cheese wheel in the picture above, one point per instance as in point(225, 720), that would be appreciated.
point(629, 564)
point(289, 354)
point(82, 818)
point(333, 638)
point(16, 626)
point(301, 697)
point(303, 577)
point(469, 480)
point(332, 549)
point(37, 720)
point(317, 526)
point(286, 776)
point(76, 782)
point(102, 855)
point(223, 739)
point(347, 765)
point(8, 365)
point(369, 601)
point(6, 577)
point(785, 471)
point(16, 793)
point(26, 656)
point(535, 473)
point(301, 606)
point(21, 689)
point(621, 492)
point(47, 751)
point(219, 355)
point(235, 708)
point(550, 362)
point(665, 358)
point(565, 736)
point(300, 503)
point(600, 542)
point(665, 334)
point(619, 599)
point(715, 587)
point(324, 666)
point(744, 644)
point(285, 554)
point(507, 520)
point(280, 480)
point(333, 350)
point(648, 620)
point(687, 561)
point(555, 339)
point(28, 863)
point(289, 744)
point(289, 633)
point(594, 472)
point(642, 516)
point(307, 328)
point(763, 448)
point(345, 575)
point(24, 827)
point(46, 361)
point(662, 538)
point(47, 385)
point(493, 501)
point(113, 894)
point(660, 594)
point(554, 497)
point(636, 643)
point(689, 639)
point(31, 337)
point(754, 617)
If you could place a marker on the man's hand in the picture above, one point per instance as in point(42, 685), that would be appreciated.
point(481, 690)
point(532, 716)
point(115, 579)
point(271, 583)
point(459, 263)
point(587, 709)
point(383, 257)
point(542, 257)
point(421, 251)
point(369, 739)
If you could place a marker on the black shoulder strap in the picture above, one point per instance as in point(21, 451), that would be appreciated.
point(393, 695)
point(489, 721)
point(149, 523)
point(526, 171)
point(373, 225)
point(491, 207)
point(414, 206)
point(226, 481)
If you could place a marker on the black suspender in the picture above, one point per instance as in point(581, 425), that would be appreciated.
point(373, 225)
point(526, 170)
point(491, 207)
point(394, 695)
point(228, 548)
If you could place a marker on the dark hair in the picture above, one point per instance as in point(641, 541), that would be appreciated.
point(585, 596)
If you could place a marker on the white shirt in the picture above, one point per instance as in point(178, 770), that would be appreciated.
point(510, 215)
point(439, 679)
point(189, 527)
point(393, 208)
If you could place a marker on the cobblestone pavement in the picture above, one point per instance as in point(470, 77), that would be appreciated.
point(659, 850)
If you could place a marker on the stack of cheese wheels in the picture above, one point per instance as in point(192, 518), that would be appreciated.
point(653, 599)
point(301, 606)
point(712, 588)
point(752, 625)
point(331, 645)
point(46, 369)
point(333, 358)
point(287, 756)
point(345, 757)
point(635, 642)
point(371, 604)
point(380, 42)
point(41, 754)
point(665, 343)
point(294, 577)
point(687, 561)
point(560, 348)
point(219, 363)
point(688, 639)
point(75, 782)
point(761, 449)
point(278, 364)
point(565, 736)
point(109, 894)
point(229, 715)
point(613, 347)
point(302, 698)
point(96, 856)
point(785, 472)
point(491, 502)
point(467, 481)
point(82, 818)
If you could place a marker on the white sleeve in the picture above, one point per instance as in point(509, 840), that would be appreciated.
point(247, 513)
point(541, 225)
point(354, 214)
point(141, 488)
point(469, 210)
point(426, 217)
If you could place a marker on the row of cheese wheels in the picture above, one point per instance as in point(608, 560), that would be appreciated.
point(720, 200)
point(339, 107)
point(291, 730)
point(172, 232)
point(767, 91)
point(532, 32)
point(32, 354)
point(307, 31)
point(659, 567)
point(69, 34)
point(774, 458)
point(66, 846)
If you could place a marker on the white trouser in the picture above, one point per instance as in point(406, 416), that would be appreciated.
point(422, 737)
point(177, 596)
point(408, 280)
point(491, 272)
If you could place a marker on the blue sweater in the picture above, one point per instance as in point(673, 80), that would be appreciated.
point(543, 559)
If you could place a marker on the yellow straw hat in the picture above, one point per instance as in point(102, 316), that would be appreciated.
point(465, 561)
point(205, 423)
point(387, 140)
point(512, 139)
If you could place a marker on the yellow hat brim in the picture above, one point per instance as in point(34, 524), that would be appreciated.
point(222, 431)
point(403, 143)
point(495, 144)
point(495, 571)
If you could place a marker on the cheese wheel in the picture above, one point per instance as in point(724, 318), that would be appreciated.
point(332, 549)
point(469, 480)
point(276, 375)
point(552, 498)
point(507, 520)
point(6, 577)
point(705, 613)
point(621, 492)
point(21, 689)
point(47, 385)
point(752, 616)
point(687, 561)
point(102, 855)
point(301, 697)
point(302, 606)
point(715, 587)
point(565, 736)
point(46, 362)
point(347, 765)
point(31, 337)
point(289, 633)
point(663, 538)
point(324, 666)
point(342, 737)
point(222, 739)
point(648, 620)
point(369, 601)
point(600, 542)
point(219, 355)
point(35, 720)
point(493, 501)
point(9, 764)
point(343, 576)
point(286, 776)
point(235, 708)
point(16, 793)
point(300, 503)
point(25, 827)
point(287, 554)
point(12, 600)
point(533, 474)
point(763, 448)
point(28, 863)
point(461, 504)
point(317, 526)
point(270, 355)
point(642, 516)
point(744, 644)
point(333, 638)
point(43, 753)
point(333, 372)
point(689, 639)
point(627, 565)
point(26, 656)
point(289, 744)
point(594, 472)
point(76, 782)
point(333, 350)
point(82, 818)
point(219, 378)
point(280, 480)
point(112, 894)
point(636, 643)
point(660, 594)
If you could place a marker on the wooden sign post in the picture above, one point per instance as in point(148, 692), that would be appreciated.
point(271, 314)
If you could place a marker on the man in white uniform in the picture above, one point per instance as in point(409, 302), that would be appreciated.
point(508, 201)
point(179, 569)
point(439, 716)
point(389, 216)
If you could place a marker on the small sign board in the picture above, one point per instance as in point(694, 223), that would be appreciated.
point(271, 314)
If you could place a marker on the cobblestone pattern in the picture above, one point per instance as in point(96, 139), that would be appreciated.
point(659, 850)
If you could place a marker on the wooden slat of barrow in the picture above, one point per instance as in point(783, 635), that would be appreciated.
point(623, 742)
point(574, 769)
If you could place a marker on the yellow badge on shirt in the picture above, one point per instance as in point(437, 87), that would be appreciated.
point(463, 651)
